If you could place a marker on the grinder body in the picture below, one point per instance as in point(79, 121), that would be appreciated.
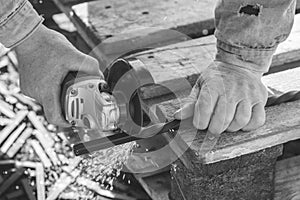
point(107, 105)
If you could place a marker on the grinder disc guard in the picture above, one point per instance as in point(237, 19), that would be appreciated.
point(124, 78)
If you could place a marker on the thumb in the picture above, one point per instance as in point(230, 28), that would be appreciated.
point(188, 108)
point(89, 65)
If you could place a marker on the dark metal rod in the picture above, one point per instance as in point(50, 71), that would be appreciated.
point(117, 139)
point(122, 138)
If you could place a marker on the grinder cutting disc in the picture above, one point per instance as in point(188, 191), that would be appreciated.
point(124, 78)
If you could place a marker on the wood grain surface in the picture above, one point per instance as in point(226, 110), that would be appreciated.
point(118, 23)
point(112, 17)
point(106, 18)
point(287, 179)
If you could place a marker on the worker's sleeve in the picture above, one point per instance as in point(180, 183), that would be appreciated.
point(18, 20)
point(249, 31)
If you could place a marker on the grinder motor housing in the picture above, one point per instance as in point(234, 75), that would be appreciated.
point(106, 105)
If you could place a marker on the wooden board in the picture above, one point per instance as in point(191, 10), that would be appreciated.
point(108, 18)
point(109, 50)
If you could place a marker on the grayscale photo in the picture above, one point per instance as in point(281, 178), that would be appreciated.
point(149, 100)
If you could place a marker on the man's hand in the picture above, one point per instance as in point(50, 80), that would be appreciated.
point(226, 97)
point(45, 59)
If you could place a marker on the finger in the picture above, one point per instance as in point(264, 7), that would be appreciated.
point(188, 108)
point(53, 109)
point(258, 118)
point(217, 121)
point(204, 108)
point(88, 65)
point(242, 116)
point(230, 111)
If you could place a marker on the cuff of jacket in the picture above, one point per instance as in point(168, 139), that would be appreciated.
point(19, 25)
point(257, 60)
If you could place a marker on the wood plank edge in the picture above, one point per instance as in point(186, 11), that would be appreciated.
point(233, 151)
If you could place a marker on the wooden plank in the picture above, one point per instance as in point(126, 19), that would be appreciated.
point(177, 66)
point(109, 18)
point(283, 81)
point(287, 179)
point(123, 43)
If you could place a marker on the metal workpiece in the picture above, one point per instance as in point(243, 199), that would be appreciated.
point(283, 98)
point(122, 137)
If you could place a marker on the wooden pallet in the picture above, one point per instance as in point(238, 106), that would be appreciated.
point(98, 21)
point(106, 18)
point(111, 18)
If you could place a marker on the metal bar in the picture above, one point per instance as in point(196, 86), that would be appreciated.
point(62, 183)
point(39, 126)
point(117, 139)
point(12, 138)
point(121, 138)
point(40, 182)
point(48, 147)
point(40, 152)
point(8, 129)
point(19, 143)
point(6, 110)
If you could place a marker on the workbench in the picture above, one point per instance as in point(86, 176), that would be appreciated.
point(237, 157)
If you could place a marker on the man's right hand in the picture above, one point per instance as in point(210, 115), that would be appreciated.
point(45, 58)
